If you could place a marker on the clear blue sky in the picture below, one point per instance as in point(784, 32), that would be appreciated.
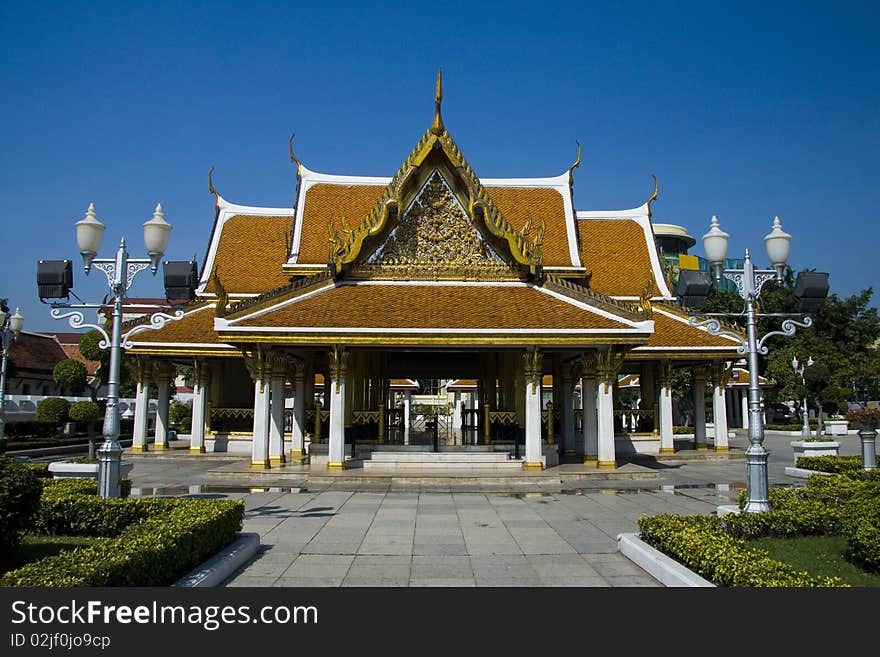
point(743, 110)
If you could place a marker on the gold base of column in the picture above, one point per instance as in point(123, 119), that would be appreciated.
point(296, 454)
point(702, 446)
point(336, 466)
point(260, 465)
point(591, 460)
point(276, 460)
point(667, 450)
point(527, 465)
point(607, 465)
point(159, 446)
point(139, 448)
point(197, 450)
point(723, 448)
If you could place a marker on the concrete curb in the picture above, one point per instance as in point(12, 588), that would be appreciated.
point(665, 570)
point(218, 568)
point(802, 473)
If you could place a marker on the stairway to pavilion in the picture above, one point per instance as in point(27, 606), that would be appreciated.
point(446, 460)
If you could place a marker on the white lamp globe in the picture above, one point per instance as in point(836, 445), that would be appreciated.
point(778, 244)
point(16, 322)
point(89, 232)
point(156, 232)
point(715, 243)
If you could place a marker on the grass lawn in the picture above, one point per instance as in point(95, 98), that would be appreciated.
point(818, 555)
point(36, 546)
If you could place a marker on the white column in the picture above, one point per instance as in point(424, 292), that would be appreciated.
point(567, 415)
point(744, 405)
point(407, 398)
point(199, 408)
point(606, 456)
point(260, 445)
point(456, 411)
point(299, 414)
point(163, 382)
point(276, 423)
point(531, 391)
point(141, 410)
point(699, 391)
point(719, 408)
point(338, 374)
point(590, 424)
point(664, 406)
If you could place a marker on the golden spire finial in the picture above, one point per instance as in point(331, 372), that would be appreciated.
point(574, 165)
point(653, 195)
point(293, 157)
point(437, 127)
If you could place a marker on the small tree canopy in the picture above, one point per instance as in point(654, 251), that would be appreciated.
point(53, 410)
point(70, 373)
point(85, 411)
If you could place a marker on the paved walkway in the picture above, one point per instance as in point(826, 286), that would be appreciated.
point(556, 529)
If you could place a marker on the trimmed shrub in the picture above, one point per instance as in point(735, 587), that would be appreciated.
point(53, 411)
point(39, 470)
point(174, 536)
point(698, 543)
point(23, 429)
point(833, 464)
point(861, 526)
point(180, 415)
point(20, 492)
point(70, 373)
point(85, 411)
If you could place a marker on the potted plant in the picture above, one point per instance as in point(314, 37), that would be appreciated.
point(867, 421)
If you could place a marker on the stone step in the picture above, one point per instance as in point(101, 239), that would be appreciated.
point(439, 457)
point(439, 466)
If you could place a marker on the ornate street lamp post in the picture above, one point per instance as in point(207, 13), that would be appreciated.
point(749, 282)
point(799, 369)
point(120, 271)
point(10, 327)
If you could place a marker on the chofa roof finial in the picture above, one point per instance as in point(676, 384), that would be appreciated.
point(293, 157)
point(437, 127)
point(574, 165)
point(211, 188)
point(653, 195)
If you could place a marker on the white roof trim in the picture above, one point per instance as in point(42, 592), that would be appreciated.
point(684, 321)
point(225, 211)
point(640, 216)
point(221, 325)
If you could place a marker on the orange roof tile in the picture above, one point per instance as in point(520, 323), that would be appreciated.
point(517, 203)
point(196, 327)
point(250, 254)
point(669, 332)
point(615, 251)
point(324, 201)
point(432, 307)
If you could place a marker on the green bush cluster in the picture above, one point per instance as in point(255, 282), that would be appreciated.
point(53, 411)
point(156, 551)
point(845, 504)
point(23, 429)
point(829, 463)
point(861, 526)
point(20, 491)
point(700, 544)
point(39, 470)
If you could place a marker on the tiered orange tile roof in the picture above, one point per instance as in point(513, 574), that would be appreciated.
point(250, 254)
point(196, 327)
point(616, 252)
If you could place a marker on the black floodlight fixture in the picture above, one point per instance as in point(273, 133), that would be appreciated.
point(54, 279)
point(811, 290)
point(181, 279)
point(693, 288)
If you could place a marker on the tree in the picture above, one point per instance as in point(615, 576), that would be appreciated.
point(842, 345)
point(180, 415)
point(53, 410)
point(70, 374)
point(89, 412)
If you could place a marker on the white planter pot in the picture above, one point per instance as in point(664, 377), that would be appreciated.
point(836, 427)
point(814, 448)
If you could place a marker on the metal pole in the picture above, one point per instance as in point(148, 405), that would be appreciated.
point(756, 456)
point(869, 448)
point(805, 430)
point(5, 330)
point(109, 455)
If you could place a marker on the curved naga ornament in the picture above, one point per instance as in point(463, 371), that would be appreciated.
point(157, 321)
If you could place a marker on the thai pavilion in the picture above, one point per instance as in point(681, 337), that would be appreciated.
point(306, 319)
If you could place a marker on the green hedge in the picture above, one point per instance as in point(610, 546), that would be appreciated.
point(699, 543)
point(167, 537)
point(833, 464)
point(862, 526)
point(20, 492)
